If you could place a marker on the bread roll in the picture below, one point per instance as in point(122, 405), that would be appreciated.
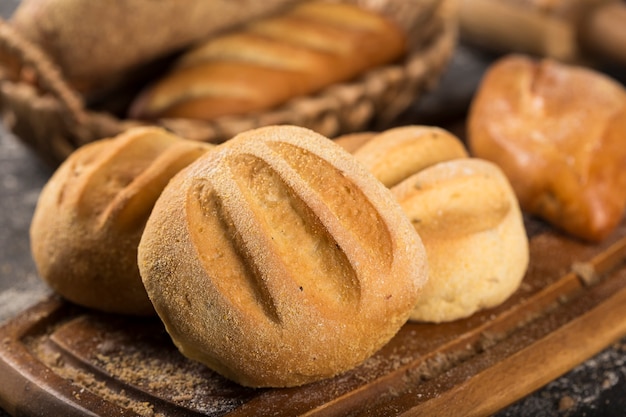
point(465, 211)
point(91, 214)
point(396, 154)
point(272, 60)
point(353, 141)
point(95, 43)
point(557, 131)
point(470, 222)
point(288, 261)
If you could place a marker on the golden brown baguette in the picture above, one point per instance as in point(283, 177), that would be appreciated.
point(278, 260)
point(269, 61)
point(557, 131)
point(465, 211)
point(96, 43)
point(91, 214)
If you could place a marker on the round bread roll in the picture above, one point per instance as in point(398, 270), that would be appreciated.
point(278, 260)
point(395, 154)
point(558, 132)
point(470, 222)
point(465, 212)
point(91, 213)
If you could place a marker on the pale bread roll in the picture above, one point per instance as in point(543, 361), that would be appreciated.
point(470, 222)
point(464, 210)
point(91, 213)
point(558, 132)
point(278, 260)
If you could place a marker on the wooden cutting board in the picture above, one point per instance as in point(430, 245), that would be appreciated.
point(60, 359)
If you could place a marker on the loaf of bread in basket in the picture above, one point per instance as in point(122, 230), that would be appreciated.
point(45, 108)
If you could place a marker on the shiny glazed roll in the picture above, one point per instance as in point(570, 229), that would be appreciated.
point(278, 260)
point(559, 133)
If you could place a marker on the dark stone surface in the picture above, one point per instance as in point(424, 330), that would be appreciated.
point(21, 179)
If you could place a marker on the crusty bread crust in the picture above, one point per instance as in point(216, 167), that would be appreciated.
point(91, 213)
point(278, 260)
point(557, 131)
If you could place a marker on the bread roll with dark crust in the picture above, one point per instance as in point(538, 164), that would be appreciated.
point(558, 132)
point(91, 214)
point(270, 61)
point(278, 260)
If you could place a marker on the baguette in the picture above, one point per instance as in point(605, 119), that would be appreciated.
point(269, 61)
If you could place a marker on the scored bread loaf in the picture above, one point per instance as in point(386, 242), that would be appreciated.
point(91, 213)
point(96, 44)
point(557, 131)
point(278, 260)
point(269, 61)
point(464, 210)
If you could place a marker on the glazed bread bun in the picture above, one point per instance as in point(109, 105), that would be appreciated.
point(278, 260)
point(91, 214)
point(269, 61)
point(464, 210)
point(558, 132)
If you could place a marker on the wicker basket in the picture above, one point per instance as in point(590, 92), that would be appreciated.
point(51, 117)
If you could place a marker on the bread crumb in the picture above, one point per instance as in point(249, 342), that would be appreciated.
point(586, 272)
point(566, 403)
